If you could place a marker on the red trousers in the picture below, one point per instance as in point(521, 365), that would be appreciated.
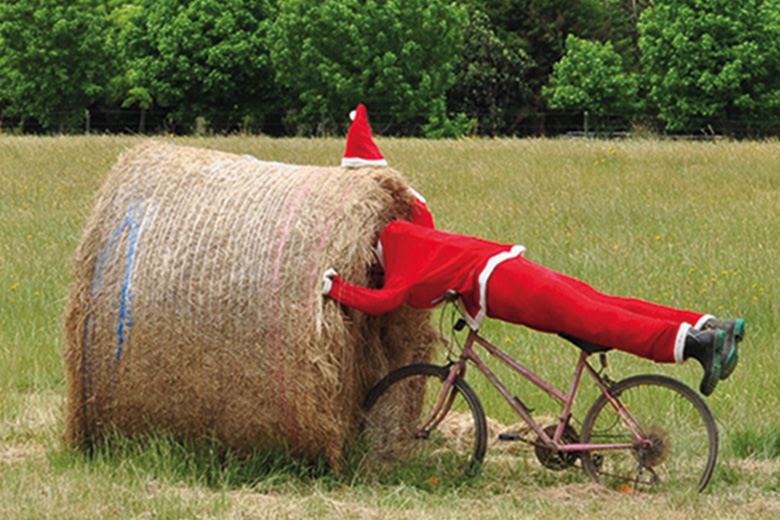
point(525, 293)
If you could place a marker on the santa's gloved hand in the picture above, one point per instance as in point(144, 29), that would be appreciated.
point(327, 281)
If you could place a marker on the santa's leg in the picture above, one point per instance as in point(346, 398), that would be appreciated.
point(644, 307)
point(520, 291)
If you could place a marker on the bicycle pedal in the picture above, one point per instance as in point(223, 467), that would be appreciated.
point(508, 437)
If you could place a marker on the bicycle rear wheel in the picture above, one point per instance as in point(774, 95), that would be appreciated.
point(673, 417)
point(400, 447)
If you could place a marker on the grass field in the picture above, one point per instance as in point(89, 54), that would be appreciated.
point(687, 224)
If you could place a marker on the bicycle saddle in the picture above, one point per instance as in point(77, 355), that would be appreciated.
point(587, 346)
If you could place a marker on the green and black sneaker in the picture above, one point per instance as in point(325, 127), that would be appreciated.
point(707, 348)
point(735, 332)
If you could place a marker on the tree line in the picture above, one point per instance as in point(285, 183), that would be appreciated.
point(437, 68)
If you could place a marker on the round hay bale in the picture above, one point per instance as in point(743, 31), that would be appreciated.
point(196, 305)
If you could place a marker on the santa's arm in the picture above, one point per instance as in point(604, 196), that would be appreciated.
point(370, 301)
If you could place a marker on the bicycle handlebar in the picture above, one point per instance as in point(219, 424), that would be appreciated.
point(448, 296)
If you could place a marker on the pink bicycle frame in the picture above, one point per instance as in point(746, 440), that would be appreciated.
point(459, 368)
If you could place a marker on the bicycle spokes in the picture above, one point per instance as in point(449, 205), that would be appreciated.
point(418, 433)
point(678, 438)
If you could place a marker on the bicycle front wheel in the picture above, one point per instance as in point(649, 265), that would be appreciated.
point(407, 439)
point(679, 435)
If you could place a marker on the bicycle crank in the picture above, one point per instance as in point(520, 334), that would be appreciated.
point(553, 459)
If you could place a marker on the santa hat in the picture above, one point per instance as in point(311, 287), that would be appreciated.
point(361, 150)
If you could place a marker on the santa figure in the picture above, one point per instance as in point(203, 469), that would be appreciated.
point(422, 265)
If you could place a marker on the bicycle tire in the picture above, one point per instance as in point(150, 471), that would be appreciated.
point(450, 453)
point(681, 424)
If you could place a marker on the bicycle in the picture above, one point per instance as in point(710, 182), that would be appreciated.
point(645, 433)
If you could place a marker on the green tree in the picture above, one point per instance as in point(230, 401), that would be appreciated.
point(396, 56)
point(54, 59)
point(541, 26)
point(490, 85)
point(624, 31)
point(4, 75)
point(591, 77)
point(198, 58)
point(712, 63)
point(124, 87)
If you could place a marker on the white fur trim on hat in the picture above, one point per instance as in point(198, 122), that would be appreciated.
point(357, 162)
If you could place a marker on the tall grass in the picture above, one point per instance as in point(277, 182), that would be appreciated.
point(692, 225)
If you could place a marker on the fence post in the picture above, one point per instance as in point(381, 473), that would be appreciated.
point(585, 122)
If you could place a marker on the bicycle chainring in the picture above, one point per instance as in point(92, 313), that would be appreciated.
point(554, 459)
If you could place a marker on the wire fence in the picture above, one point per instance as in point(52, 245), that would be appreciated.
point(507, 124)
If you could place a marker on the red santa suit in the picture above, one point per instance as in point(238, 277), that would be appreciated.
point(421, 264)
point(495, 280)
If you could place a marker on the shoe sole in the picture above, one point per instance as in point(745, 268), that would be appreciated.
point(739, 329)
point(728, 366)
point(729, 360)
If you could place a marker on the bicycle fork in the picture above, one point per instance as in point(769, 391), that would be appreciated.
point(443, 404)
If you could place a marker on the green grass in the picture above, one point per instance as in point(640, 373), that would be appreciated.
point(694, 225)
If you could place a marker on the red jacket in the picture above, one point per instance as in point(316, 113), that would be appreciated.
point(421, 264)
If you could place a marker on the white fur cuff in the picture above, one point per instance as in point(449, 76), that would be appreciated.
point(679, 344)
point(704, 319)
point(327, 281)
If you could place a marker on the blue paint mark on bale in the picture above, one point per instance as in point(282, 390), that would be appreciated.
point(130, 227)
point(125, 314)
